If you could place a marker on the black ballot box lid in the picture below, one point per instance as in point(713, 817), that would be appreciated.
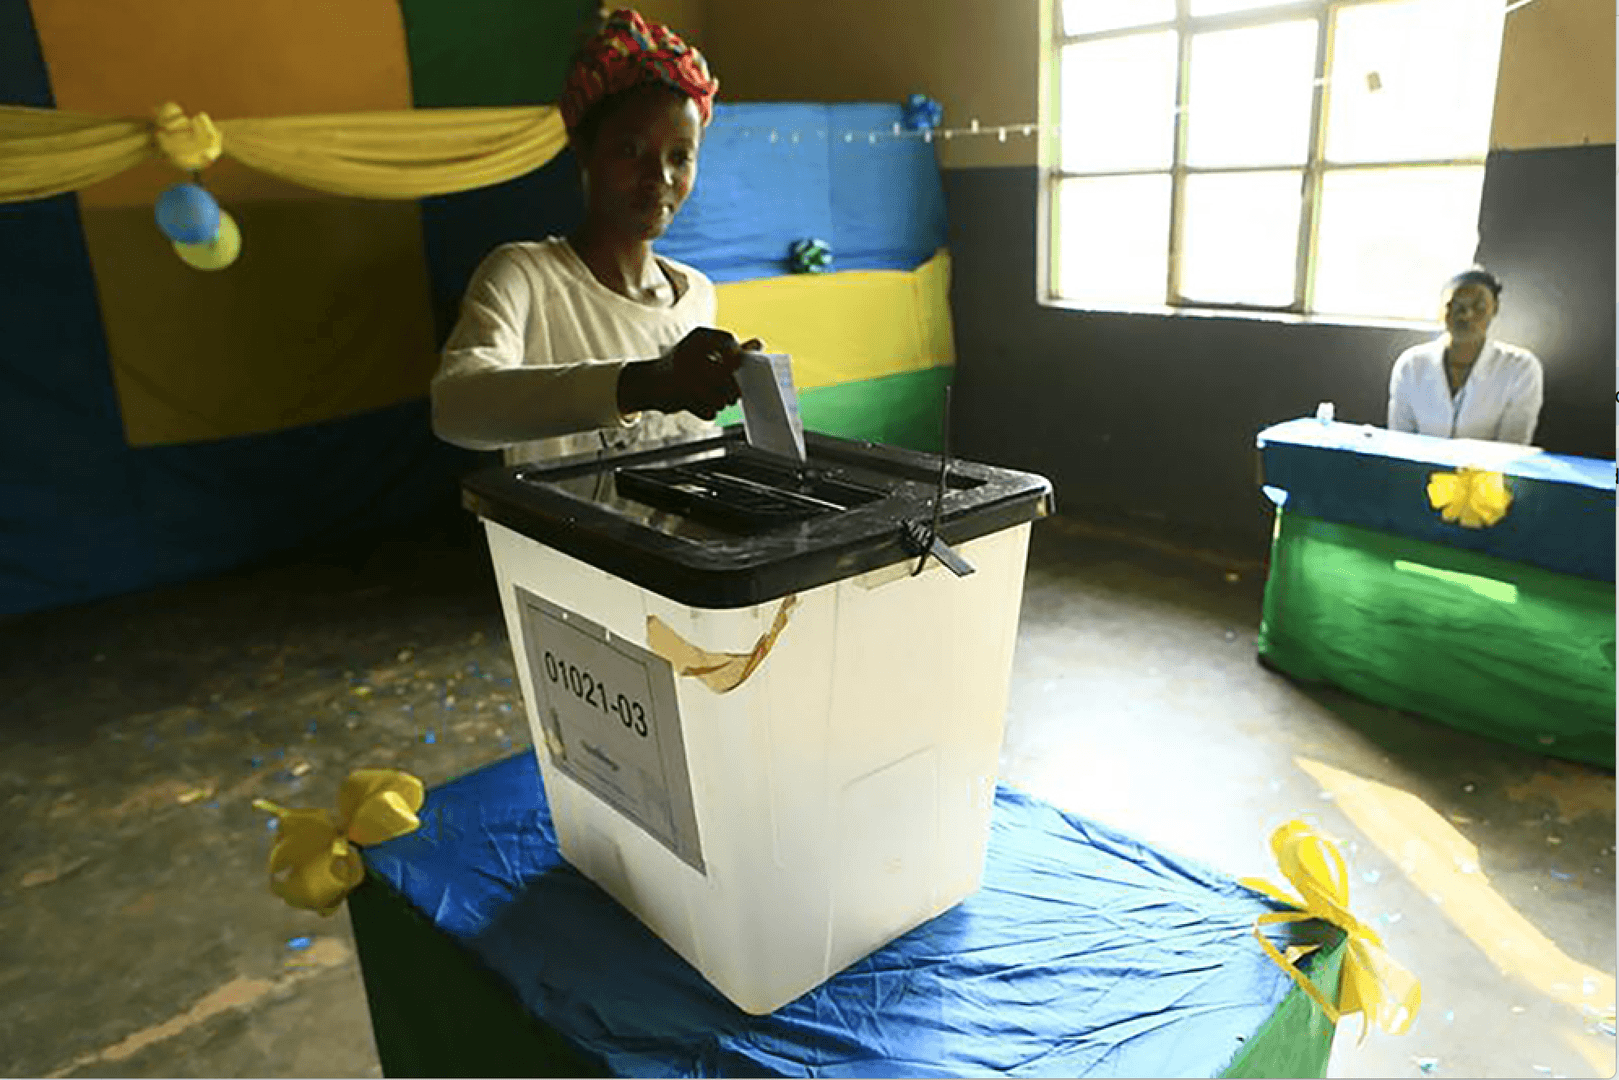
point(715, 523)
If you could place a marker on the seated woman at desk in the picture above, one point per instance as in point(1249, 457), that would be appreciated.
point(591, 342)
point(1462, 385)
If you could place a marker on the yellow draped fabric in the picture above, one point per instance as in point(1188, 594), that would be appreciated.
point(1474, 498)
point(1371, 984)
point(383, 155)
point(314, 864)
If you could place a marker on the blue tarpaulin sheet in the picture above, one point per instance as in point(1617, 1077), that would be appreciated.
point(1085, 953)
point(1561, 517)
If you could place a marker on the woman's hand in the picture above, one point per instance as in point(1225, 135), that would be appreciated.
point(697, 376)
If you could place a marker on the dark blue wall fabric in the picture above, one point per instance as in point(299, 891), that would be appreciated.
point(24, 79)
point(1561, 517)
point(1085, 953)
point(68, 524)
point(208, 507)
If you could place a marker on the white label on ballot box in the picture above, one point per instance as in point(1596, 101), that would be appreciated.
point(612, 721)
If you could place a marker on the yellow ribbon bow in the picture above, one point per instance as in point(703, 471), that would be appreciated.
point(192, 143)
point(313, 864)
point(1475, 498)
point(1371, 983)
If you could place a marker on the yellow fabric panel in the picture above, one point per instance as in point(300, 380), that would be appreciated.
point(326, 314)
point(240, 59)
point(405, 154)
point(842, 327)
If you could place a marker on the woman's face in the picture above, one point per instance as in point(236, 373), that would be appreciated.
point(643, 161)
point(1468, 311)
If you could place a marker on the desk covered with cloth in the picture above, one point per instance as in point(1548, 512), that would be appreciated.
point(1468, 582)
point(1084, 954)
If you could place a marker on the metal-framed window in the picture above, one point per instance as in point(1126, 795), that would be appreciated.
point(1303, 158)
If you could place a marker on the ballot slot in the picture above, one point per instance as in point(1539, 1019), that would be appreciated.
point(744, 493)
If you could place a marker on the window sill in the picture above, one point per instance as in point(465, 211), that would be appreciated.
point(1284, 318)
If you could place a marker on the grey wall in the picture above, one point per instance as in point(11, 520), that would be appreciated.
point(1154, 417)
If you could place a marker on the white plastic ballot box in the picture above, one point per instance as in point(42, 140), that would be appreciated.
point(759, 730)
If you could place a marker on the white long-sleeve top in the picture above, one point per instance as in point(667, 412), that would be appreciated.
point(532, 365)
point(1500, 400)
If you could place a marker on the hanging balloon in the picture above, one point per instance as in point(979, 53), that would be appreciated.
point(187, 214)
point(922, 113)
point(217, 253)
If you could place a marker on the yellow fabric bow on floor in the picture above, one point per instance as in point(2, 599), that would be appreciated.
point(1371, 983)
point(314, 864)
point(1475, 498)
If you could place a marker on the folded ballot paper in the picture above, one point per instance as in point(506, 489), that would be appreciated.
point(770, 404)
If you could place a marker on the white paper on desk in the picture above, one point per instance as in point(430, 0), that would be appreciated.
point(770, 404)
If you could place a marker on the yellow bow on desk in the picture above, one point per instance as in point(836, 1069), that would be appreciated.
point(1371, 983)
point(314, 864)
point(1475, 498)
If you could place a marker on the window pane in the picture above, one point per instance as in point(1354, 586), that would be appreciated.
point(1389, 239)
point(1413, 79)
point(1118, 103)
point(1112, 240)
point(1250, 95)
point(1093, 16)
point(1240, 237)
point(1225, 7)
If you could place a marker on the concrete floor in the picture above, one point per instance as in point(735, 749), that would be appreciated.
point(138, 936)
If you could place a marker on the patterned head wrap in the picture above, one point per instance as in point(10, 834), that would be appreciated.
point(628, 52)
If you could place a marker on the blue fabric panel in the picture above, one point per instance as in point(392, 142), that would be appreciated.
point(1561, 518)
point(24, 79)
point(1084, 954)
point(887, 196)
point(459, 230)
point(67, 525)
point(880, 205)
point(213, 506)
point(69, 529)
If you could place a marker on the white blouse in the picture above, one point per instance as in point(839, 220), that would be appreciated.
point(1500, 401)
point(532, 365)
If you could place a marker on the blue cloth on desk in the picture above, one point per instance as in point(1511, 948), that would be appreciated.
point(1562, 513)
point(1084, 954)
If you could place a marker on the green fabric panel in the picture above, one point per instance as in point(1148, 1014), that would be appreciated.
point(1297, 1038)
point(1502, 649)
point(490, 53)
point(904, 410)
point(435, 1011)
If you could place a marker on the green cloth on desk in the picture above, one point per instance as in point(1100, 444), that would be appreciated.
point(1499, 648)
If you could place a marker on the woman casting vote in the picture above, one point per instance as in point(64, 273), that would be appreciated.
point(1465, 385)
point(592, 342)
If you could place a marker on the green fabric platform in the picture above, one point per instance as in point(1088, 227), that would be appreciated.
point(1499, 648)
